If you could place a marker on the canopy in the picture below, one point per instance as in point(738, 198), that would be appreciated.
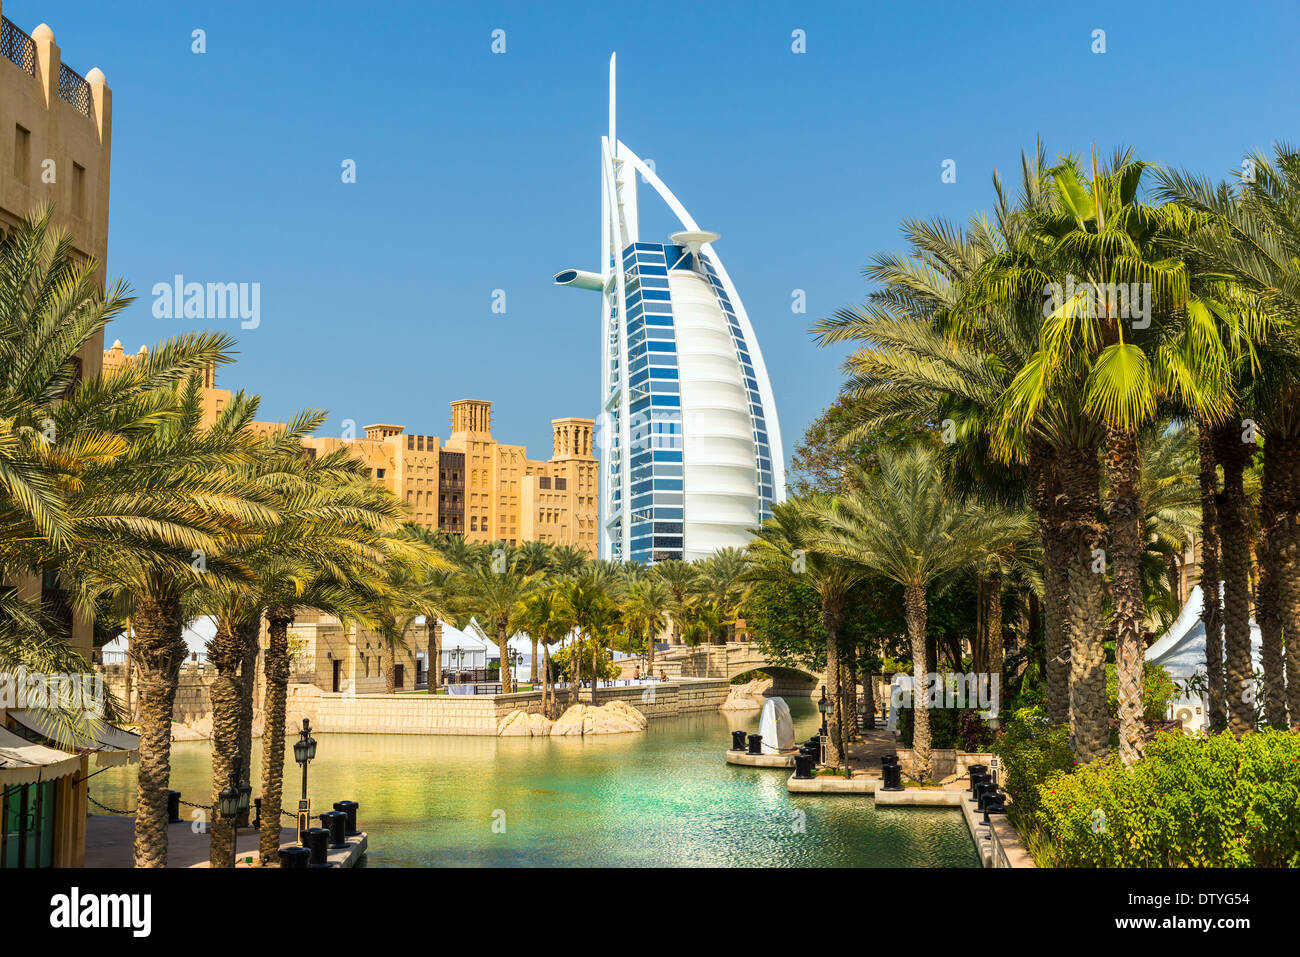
point(111, 745)
point(25, 762)
point(1181, 649)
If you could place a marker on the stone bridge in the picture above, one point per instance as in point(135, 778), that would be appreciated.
point(733, 660)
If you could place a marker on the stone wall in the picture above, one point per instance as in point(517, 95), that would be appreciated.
point(476, 714)
point(193, 691)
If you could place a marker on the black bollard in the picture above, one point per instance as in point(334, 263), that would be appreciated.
point(892, 779)
point(986, 788)
point(350, 809)
point(317, 841)
point(803, 765)
point(976, 781)
point(973, 771)
point(173, 807)
point(738, 741)
point(294, 856)
point(755, 744)
point(994, 804)
point(336, 823)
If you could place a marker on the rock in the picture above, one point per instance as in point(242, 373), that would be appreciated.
point(514, 724)
point(616, 717)
point(539, 725)
point(746, 697)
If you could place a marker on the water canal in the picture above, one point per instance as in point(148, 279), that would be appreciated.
point(662, 798)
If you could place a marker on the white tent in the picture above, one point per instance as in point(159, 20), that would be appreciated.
point(1181, 652)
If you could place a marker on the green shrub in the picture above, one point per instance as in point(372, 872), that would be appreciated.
point(1030, 749)
point(1190, 802)
point(961, 729)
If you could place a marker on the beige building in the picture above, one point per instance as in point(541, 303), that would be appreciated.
point(55, 143)
point(470, 484)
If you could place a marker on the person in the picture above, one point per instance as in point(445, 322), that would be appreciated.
point(636, 674)
point(663, 675)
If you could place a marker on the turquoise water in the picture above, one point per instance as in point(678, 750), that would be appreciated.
point(663, 798)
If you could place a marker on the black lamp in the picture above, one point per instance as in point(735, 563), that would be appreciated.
point(304, 750)
point(824, 706)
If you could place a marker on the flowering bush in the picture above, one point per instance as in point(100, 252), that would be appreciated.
point(1030, 749)
point(1190, 802)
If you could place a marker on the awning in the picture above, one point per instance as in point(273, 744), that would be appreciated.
point(25, 762)
point(111, 745)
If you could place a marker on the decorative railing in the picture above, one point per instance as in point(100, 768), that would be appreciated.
point(74, 89)
point(18, 46)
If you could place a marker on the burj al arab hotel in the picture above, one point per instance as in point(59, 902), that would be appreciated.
point(691, 457)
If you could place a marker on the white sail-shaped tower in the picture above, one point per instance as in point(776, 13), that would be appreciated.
point(691, 457)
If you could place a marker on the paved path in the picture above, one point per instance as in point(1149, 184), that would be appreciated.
point(110, 840)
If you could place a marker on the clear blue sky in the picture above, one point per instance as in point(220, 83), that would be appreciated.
point(479, 171)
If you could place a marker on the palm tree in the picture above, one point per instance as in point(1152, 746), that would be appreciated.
point(788, 549)
point(903, 523)
point(496, 593)
point(645, 607)
point(680, 577)
point(547, 619)
point(1250, 237)
point(187, 469)
point(595, 614)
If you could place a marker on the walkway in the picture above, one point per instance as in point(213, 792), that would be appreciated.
point(110, 842)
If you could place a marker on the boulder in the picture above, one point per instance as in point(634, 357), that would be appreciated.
point(746, 697)
point(520, 723)
point(616, 717)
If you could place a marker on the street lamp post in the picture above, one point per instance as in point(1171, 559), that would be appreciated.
point(304, 749)
point(824, 707)
point(233, 802)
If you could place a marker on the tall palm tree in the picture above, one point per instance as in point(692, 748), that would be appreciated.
point(645, 607)
point(1105, 237)
point(496, 593)
point(903, 523)
point(595, 614)
point(788, 548)
point(680, 578)
point(1252, 239)
point(214, 503)
point(547, 618)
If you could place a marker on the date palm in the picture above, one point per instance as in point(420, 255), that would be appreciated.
point(680, 578)
point(495, 590)
point(547, 619)
point(1251, 239)
point(788, 549)
point(645, 605)
point(903, 523)
point(956, 320)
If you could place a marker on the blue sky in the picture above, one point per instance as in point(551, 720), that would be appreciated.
point(478, 171)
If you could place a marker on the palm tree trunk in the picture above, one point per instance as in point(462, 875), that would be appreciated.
point(158, 649)
point(848, 702)
point(650, 652)
point(993, 626)
point(532, 665)
point(276, 670)
point(390, 670)
point(226, 653)
point(1056, 584)
point(1211, 601)
point(977, 644)
point(1124, 506)
point(435, 656)
point(1234, 523)
point(1267, 611)
point(248, 632)
point(869, 700)
point(1282, 460)
point(1281, 558)
point(595, 654)
point(1086, 602)
point(575, 650)
point(914, 604)
point(831, 614)
point(503, 647)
